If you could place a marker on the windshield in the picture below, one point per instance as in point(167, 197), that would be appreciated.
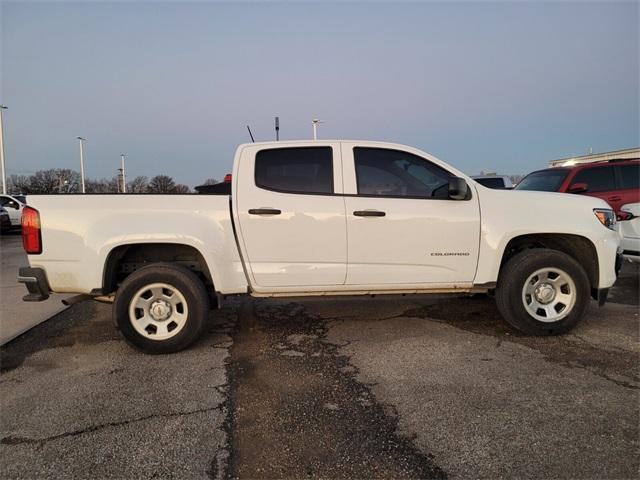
point(20, 198)
point(495, 182)
point(543, 181)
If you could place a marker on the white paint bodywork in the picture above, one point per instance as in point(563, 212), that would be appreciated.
point(630, 232)
point(316, 246)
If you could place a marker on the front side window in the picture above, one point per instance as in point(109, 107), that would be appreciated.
point(630, 176)
point(394, 173)
point(600, 179)
point(295, 170)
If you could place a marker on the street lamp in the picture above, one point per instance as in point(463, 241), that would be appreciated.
point(124, 180)
point(315, 122)
point(4, 177)
point(82, 140)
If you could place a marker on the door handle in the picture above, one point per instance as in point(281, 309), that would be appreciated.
point(369, 213)
point(264, 211)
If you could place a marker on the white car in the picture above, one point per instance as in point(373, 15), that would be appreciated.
point(500, 182)
point(629, 227)
point(320, 218)
point(5, 221)
point(13, 204)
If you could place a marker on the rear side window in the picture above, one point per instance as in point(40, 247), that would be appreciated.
point(295, 170)
point(600, 179)
point(394, 173)
point(630, 176)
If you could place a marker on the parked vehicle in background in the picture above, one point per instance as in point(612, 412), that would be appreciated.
point(629, 227)
point(617, 182)
point(13, 204)
point(499, 182)
point(319, 218)
point(5, 221)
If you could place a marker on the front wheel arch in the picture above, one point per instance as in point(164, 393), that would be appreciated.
point(580, 248)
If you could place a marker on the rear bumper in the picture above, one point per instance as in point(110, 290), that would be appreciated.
point(36, 282)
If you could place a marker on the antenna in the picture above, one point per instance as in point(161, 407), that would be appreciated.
point(277, 129)
point(250, 134)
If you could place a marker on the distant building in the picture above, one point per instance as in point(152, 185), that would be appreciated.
point(597, 157)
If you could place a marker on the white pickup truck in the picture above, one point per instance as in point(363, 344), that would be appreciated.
point(322, 218)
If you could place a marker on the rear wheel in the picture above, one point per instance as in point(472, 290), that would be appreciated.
point(542, 292)
point(161, 308)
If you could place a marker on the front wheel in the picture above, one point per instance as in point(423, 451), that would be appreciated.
point(542, 292)
point(161, 308)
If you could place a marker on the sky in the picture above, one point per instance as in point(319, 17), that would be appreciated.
point(501, 86)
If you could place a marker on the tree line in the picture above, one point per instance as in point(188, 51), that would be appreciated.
point(64, 180)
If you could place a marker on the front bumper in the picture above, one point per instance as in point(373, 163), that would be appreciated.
point(36, 282)
point(601, 294)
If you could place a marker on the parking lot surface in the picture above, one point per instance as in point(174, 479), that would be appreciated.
point(15, 318)
point(401, 387)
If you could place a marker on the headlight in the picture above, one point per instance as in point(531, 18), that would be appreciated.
point(606, 216)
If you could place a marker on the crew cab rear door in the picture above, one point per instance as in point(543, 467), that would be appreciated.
point(402, 228)
point(291, 215)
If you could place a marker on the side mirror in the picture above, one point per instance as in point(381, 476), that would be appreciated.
point(578, 188)
point(458, 188)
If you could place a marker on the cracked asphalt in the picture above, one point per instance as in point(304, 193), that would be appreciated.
point(401, 387)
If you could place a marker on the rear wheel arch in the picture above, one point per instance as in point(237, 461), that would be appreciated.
point(126, 259)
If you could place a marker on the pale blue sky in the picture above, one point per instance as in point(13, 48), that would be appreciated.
point(493, 85)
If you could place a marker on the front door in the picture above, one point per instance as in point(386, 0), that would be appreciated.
point(402, 228)
point(291, 216)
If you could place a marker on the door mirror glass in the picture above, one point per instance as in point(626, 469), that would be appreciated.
point(458, 188)
point(578, 188)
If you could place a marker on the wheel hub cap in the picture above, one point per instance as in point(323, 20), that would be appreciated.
point(160, 310)
point(549, 294)
point(544, 293)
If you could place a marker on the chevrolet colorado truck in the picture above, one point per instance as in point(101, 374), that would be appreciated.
point(320, 218)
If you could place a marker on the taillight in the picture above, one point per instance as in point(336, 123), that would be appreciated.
point(227, 178)
point(31, 236)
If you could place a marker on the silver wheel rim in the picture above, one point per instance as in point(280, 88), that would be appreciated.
point(158, 311)
point(549, 294)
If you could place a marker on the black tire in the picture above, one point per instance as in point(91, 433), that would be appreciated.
point(515, 273)
point(186, 283)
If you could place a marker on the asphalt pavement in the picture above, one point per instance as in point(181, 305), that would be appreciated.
point(16, 318)
point(401, 387)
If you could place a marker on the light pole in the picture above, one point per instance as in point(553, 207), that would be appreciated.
point(124, 179)
point(315, 123)
point(82, 140)
point(4, 177)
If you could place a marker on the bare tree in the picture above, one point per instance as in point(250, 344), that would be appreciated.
point(181, 188)
point(18, 184)
point(103, 185)
point(161, 184)
point(138, 185)
point(44, 181)
point(68, 180)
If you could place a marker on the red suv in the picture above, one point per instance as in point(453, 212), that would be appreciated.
point(617, 182)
